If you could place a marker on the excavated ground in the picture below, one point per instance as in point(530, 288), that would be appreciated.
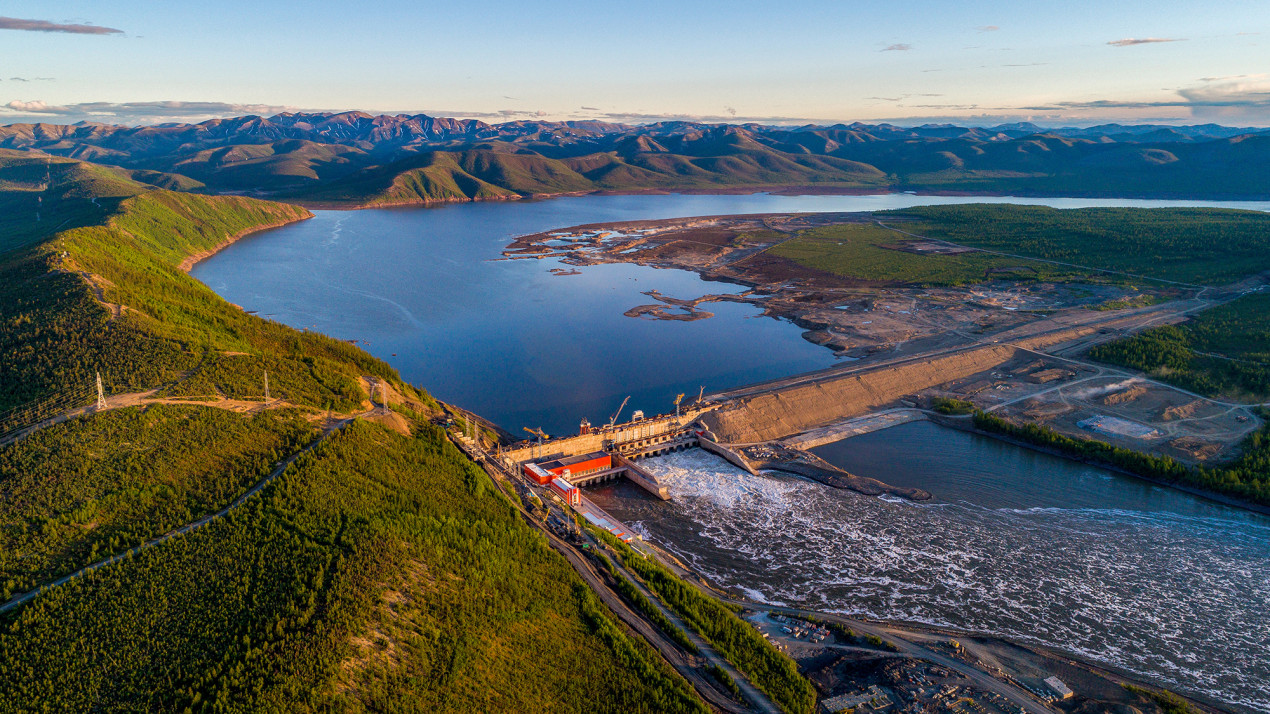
point(910, 343)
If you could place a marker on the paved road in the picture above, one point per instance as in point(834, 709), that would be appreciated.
point(684, 663)
point(760, 700)
point(1093, 322)
point(19, 599)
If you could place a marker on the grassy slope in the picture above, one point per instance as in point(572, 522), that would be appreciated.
point(1222, 352)
point(58, 334)
point(856, 251)
point(76, 492)
point(377, 573)
point(1193, 245)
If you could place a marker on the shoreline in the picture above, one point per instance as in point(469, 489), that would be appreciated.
point(968, 427)
point(774, 189)
point(190, 261)
point(811, 327)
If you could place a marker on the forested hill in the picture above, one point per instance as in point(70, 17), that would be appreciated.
point(375, 568)
point(353, 158)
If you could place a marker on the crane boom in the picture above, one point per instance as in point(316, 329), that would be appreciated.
point(616, 414)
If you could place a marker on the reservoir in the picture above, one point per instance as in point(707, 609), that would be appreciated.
point(1015, 543)
point(424, 289)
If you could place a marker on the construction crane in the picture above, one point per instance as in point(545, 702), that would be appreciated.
point(542, 436)
point(678, 399)
point(701, 393)
point(616, 414)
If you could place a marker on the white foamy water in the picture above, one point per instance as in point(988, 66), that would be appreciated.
point(1179, 599)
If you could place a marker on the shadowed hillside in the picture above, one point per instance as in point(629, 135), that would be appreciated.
point(353, 158)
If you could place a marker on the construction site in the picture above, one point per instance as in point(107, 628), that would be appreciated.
point(1007, 343)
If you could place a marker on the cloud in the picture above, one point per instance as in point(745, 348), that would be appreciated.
point(590, 109)
point(1131, 41)
point(902, 97)
point(13, 23)
point(35, 107)
point(137, 112)
point(730, 110)
point(515, 114)
point(18, 79)
point(641, 118)
point(900, 47)
point(1245, 99)
point(987, 28)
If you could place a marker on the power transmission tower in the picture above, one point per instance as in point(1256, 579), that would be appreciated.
point(266, 386)
point(101, 394)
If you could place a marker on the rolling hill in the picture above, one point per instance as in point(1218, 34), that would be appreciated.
point(350, 560)
point(353, 158)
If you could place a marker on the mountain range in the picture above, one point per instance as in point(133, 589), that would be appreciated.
point(354, 158)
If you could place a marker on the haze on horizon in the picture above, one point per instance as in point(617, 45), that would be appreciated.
point(812, 62)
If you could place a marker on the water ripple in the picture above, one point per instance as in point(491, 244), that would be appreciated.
point(1179, 599)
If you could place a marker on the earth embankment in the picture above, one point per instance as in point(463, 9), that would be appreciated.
point(787, 411)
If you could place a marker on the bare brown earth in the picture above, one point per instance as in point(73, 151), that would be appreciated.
point(1010, 344)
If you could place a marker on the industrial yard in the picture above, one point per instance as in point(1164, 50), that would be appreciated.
point(1090, 401)
point(1005, 337)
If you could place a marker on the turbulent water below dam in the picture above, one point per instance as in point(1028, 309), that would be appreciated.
point(1031, 547)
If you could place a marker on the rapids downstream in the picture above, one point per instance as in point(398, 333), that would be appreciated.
point(1030, 547)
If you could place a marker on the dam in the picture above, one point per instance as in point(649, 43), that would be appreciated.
point(598, 454)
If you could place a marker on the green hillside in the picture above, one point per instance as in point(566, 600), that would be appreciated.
point(379, 571)
point(379, 574)
point(870, 254)
point(498, 172)
point(1222, 352)
point(1205, 246)
point(111, 298)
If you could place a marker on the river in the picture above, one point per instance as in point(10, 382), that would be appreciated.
point(423, 289)
point(1015, 543)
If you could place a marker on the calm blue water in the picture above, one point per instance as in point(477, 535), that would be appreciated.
point(510, 340)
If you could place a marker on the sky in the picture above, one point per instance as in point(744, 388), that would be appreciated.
point(806, 61)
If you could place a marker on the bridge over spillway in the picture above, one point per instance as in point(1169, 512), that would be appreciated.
point(625, 443)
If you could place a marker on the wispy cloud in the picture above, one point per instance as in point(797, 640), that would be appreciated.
point(14, 23)
point(987, 28)
point(899, 47)
point(136, 112)
point(1131, 41)
point(1244, 99)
